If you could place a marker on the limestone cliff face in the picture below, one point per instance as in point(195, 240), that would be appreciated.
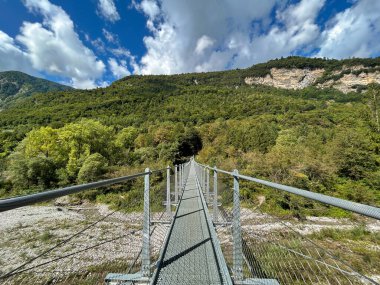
point(287, 78)
point(350, 81)
point(346, 80)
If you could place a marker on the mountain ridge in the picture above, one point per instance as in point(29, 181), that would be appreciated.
point(294, 72)
point(17, 84)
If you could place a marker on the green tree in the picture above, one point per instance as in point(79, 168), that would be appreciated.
point(93, 167)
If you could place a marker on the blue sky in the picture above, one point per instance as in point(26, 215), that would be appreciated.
point(90, 43)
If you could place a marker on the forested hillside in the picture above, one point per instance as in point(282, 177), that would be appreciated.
point(321, 140)
point(15, 85)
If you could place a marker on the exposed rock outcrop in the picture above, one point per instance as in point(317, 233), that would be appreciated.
point(346, 79)
point(349, 82)
point(294, 78)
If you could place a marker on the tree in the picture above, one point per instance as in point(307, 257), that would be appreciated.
point(126, 137)
point(93, 167)
point(47, 155)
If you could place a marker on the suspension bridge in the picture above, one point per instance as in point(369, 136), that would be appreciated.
point(204, 234)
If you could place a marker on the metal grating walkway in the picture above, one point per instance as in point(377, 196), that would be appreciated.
point(191, 255)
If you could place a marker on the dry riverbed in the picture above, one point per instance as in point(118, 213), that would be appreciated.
point(113, 243)
point(29, 231)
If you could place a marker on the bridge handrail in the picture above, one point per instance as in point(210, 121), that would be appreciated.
point(366, 210)
point(20, 201)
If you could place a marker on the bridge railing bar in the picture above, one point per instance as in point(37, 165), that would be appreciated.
point(20, 201)
point(366, 210)
point(362, 209)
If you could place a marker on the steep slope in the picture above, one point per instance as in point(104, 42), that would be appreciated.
point(15, 84)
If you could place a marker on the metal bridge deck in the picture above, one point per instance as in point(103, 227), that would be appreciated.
point(190, 256)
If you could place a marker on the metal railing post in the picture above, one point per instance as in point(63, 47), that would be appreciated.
point(180, 177)
point(168, 206)
point(176, 184)
point(145, 254)
point(200, 169)
point(183, 175)
point(236, 231)
point(207, 185)
point(215, 205)
point(204, 179)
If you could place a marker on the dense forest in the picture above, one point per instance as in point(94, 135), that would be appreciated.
point(321, 140)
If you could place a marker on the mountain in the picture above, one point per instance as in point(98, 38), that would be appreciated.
point(16, 84)
point(293, 73)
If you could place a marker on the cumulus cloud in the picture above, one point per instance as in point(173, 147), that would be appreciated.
point(353, 32)
point(210, 35)
point(52, 46)
point(107, 9)
point(118, 69)
point(12, 57)
point(295, 31)
point(187, 36)
point(150, 8)
point(203, 36)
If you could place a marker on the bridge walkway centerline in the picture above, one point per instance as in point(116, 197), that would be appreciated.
point(190, 256)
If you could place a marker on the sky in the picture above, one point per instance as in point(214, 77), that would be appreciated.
point(90, 43)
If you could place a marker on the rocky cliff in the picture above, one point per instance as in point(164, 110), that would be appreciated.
point(346, 79)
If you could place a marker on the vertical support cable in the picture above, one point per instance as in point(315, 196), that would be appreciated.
point(215, 205)
point(145, 255)
point(176, 184)
point(207, 185)
point(236, 230)
point(168, 206)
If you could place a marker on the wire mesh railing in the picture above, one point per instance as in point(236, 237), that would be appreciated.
point(264, 246)
point(65, 243)
point(91, 243)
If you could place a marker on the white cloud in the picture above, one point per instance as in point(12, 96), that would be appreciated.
point(52, 46)
point(212, 35)
point(295, 30)
point(110, 37)
point(107, 9)
point(353, 32)
point(203, 43)
point(118, 70)
point(12, 57)
point(150, 8)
